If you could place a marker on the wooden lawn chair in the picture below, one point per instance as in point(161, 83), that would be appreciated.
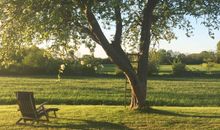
point(28, 108)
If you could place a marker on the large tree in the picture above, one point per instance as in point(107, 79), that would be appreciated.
point(137, 24)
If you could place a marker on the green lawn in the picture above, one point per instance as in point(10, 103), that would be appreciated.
point(110, 91)
point(167, 69)
point(119, 118)
point(204, 93)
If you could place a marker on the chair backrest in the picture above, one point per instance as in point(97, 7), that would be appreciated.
point(26, 104)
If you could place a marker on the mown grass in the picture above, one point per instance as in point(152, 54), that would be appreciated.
point(111, 91)
point(119, 118)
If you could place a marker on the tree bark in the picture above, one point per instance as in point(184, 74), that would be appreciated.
point(138, 96)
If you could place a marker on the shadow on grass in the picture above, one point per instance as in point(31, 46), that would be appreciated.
point(170, 113)
point(68, 123)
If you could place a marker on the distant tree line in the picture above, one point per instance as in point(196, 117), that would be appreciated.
point(36, 61)
point(167, 57)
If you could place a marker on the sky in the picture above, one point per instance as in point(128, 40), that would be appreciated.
point(200, 41)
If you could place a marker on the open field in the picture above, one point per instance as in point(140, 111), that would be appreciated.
point(167, 69)
point(119, 118)
point(195, 68)
point(111, 91)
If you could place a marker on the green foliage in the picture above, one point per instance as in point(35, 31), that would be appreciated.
point(178, 67)
point(195, 58)
point(31, 60)
point(64, 23)
point(208, 56)
point(165, 57)
point(90, 64)
point(153, 62)
point(35, 58)
point(34, 61)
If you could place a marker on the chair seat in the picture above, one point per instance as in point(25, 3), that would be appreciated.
point(53, 110)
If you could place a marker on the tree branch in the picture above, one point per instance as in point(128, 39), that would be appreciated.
point(145, 38)
point(118, 33)
point(95, 27)
point(146, 24)
point(88, 32)
point(114, 52)
point(92, 36)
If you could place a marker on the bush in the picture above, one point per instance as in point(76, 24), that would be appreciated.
point(75, 68)
point(153, 67)
point(153, 62)
point(178, 67)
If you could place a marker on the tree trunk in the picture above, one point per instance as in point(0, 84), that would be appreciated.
point(139, 83)
point(138, 92)
point(138, 103)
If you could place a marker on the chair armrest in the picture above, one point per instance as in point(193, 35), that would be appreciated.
point(41, 106)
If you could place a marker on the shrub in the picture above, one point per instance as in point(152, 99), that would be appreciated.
point(153, 67)
point(178, 67)
point(153, 62)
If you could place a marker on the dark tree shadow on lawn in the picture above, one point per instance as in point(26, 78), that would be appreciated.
point(69, 123)
point(170, 113)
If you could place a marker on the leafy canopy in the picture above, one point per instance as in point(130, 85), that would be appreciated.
point(62, 23)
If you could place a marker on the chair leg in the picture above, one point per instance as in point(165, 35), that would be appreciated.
point(47, 117)
point(55, 113)
point(18, 121)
